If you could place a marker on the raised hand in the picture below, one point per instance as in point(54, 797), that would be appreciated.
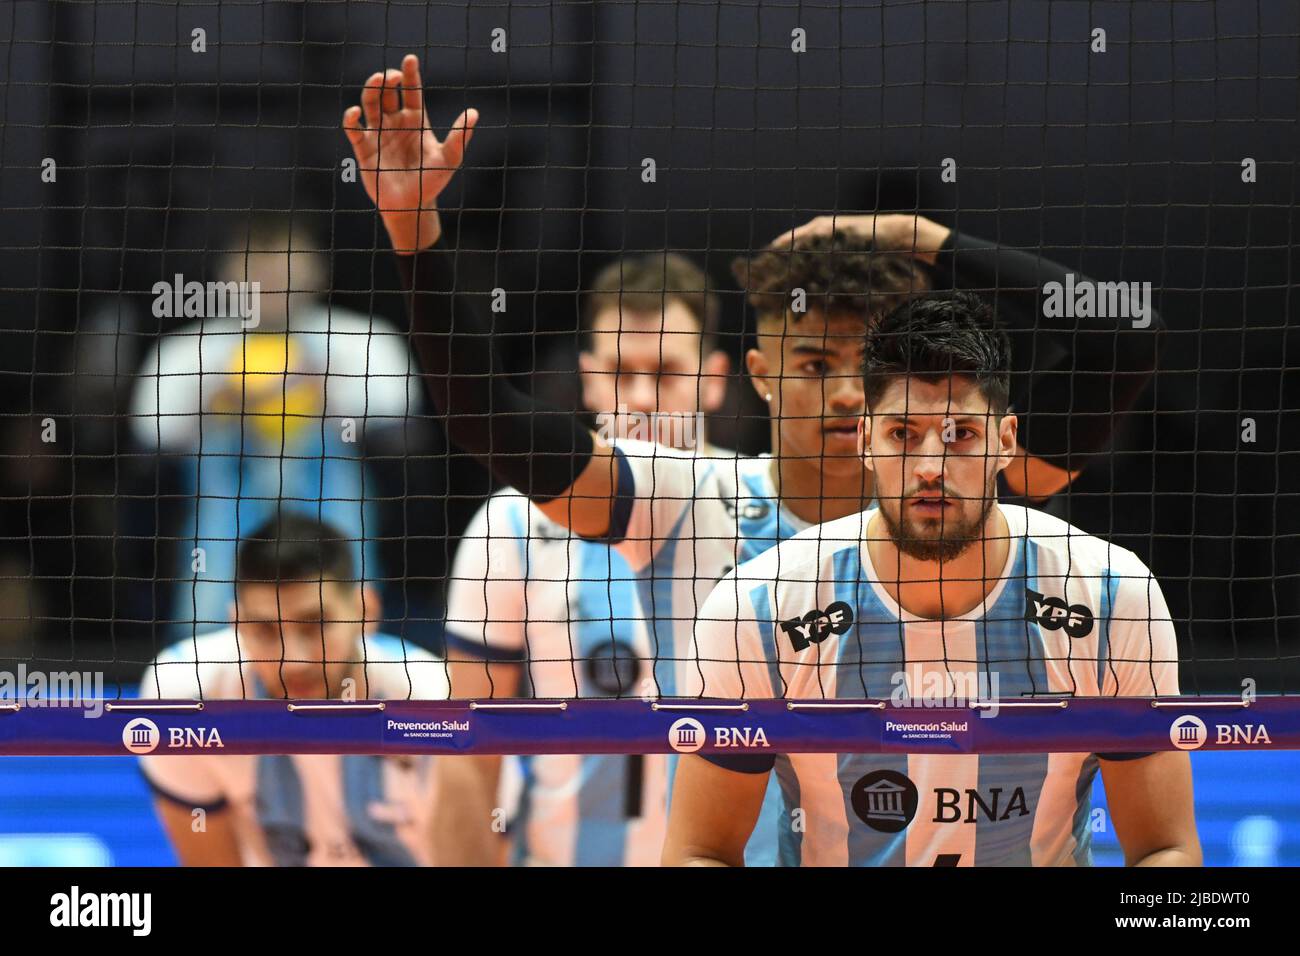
point(404, 166)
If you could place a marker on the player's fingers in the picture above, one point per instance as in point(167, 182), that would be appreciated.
point(392, 99)
point(783, 241)
point(355, 132)
point(370, 99)
point(458, 137)
point(819, 226)
point(412, 86)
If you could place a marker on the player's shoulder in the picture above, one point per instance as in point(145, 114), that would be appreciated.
point(190, 348)
point(323, 317)
point(810, 556)
point(1076, 551)
point(397, 669)
point(208, 665)
point(508, 513)
point(704, 454)
point(753, 474)
point(705, 476)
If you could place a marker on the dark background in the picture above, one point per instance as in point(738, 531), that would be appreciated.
point(1125, 164)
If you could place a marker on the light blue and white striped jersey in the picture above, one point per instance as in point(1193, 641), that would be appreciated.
point(692, 519)
point(1070, 614)
point(526, 589)
point(302, 809)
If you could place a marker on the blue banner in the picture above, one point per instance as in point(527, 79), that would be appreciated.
point(1069, 725)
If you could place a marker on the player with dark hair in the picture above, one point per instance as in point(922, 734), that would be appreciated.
point(937, 582)
point(304, 628)
point(683, 521)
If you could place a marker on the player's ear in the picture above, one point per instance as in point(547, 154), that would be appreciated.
point(590, 373)
point(864, 441)
point(713, 380)
point(372, 608)
point(233, 612)
point(1008, 429)
point(759, 370)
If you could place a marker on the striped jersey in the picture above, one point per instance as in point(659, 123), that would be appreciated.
point(1070, 614)
point(526, 589)
point(687, 521)
point(302, 809)
point(682, 521)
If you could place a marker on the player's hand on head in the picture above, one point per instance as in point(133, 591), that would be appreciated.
point(895, 231)
point(404, 166)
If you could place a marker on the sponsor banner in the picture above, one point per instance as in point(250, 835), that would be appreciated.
point(927, 730)
point(430, 729)
point(1085, 725)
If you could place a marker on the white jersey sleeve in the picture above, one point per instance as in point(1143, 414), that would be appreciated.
point(370, 368)
point(486, 594)
point(189, 780)
point(1143, 645)
point(167, 399)
point(665, 485)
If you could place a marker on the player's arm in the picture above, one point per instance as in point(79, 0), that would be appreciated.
point(545, 453)
point(188, 795)
point(191, 807)
point(206, 840)
point(1150, 800)
point(1082, 373)
point(1075, 378)
point(486, 644)
point(717, 799)
point(713, 813)
point(1150, 796)
point(466, 788)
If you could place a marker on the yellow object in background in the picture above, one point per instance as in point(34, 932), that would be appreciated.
point(269, 380)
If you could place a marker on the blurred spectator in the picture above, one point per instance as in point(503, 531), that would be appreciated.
point(269, 412)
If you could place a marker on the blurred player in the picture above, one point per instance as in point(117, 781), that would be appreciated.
point(940, 581)
point(303, 630)
point(527, 598)
point(251, 416)
point(684, 521)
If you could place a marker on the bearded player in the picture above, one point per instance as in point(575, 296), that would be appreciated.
point(937, 581)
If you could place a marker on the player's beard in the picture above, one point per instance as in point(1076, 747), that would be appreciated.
point(950, 537)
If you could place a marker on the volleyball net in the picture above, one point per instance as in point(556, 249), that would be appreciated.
point(675, 227)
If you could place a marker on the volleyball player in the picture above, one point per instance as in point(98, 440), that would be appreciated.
point(683, 521)
point(303, 630)
point(939, 581)
point(533, 610)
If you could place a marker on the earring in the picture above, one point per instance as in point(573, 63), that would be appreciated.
point(768, 396)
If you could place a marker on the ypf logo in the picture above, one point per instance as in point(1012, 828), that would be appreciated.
point(1188, 732)
point(1054, 614)
point(815, 626)
point(686, 735)
point(140, 736)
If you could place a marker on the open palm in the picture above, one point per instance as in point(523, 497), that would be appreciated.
point(403, 165)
